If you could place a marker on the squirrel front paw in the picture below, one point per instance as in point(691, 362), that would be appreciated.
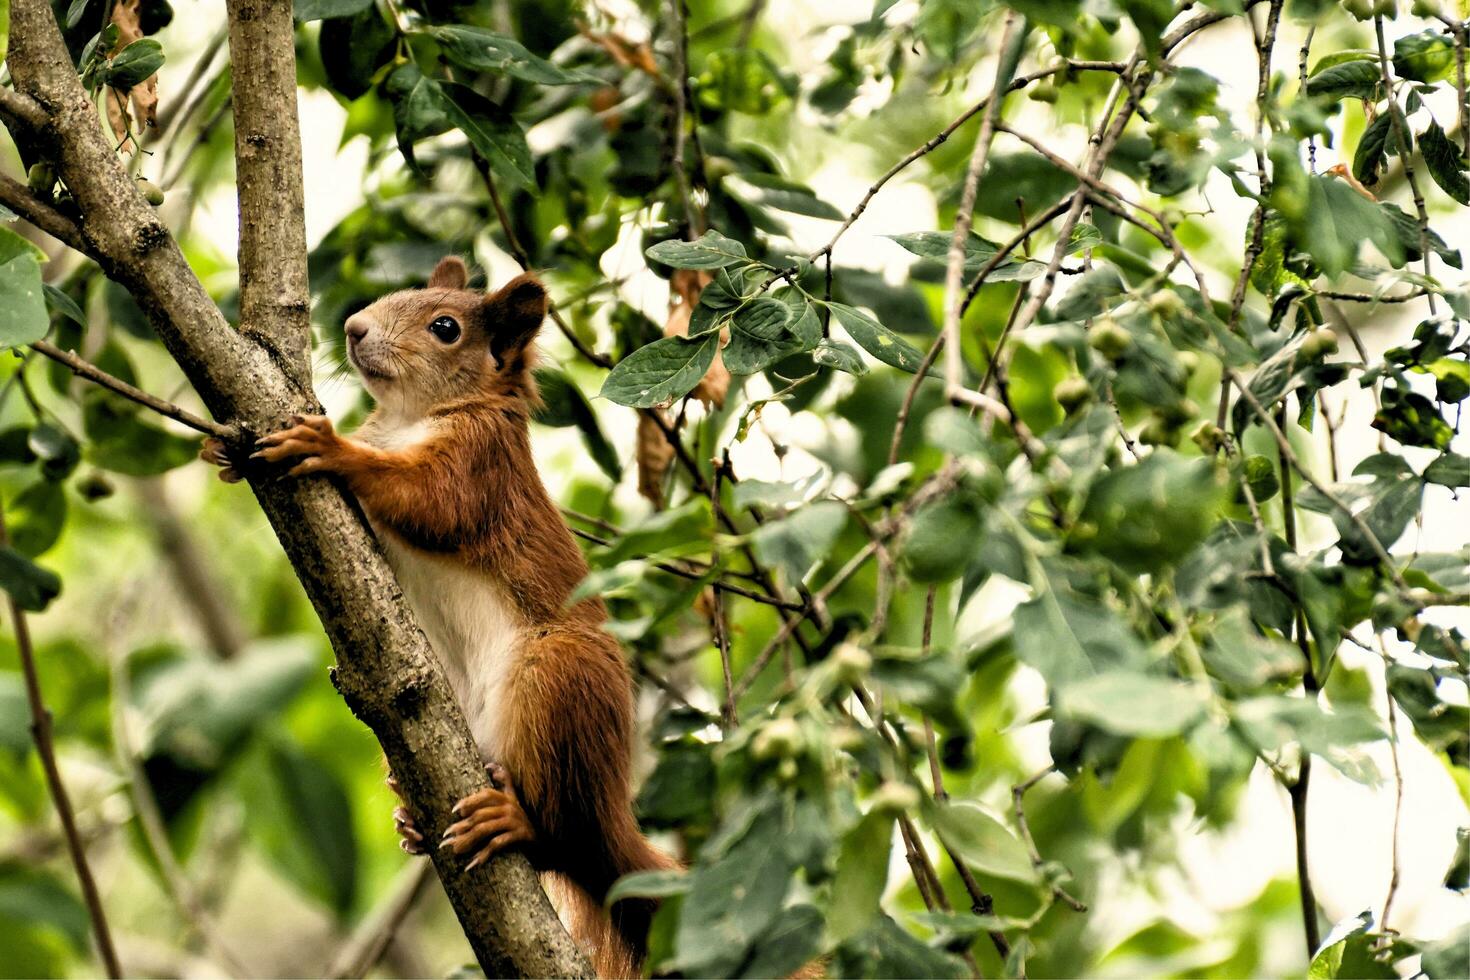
point(309, 437)
point(492, 817)
point(215, 452)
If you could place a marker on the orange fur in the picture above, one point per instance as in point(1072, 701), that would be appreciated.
point(468, 492)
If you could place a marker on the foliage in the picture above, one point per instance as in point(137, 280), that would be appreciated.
point(1185, 611)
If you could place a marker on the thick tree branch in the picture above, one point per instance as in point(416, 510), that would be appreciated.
point(18, 198)
point(273, 289)
point(255, 378)
point(17, 107)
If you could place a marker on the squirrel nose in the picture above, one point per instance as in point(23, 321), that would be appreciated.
point(357, 327)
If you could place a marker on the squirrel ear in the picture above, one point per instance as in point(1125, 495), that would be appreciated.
point(513, 315)
point(450, 273)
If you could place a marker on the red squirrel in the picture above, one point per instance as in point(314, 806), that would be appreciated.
point(443, 469)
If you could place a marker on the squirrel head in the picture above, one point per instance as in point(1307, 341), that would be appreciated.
point(422, 347)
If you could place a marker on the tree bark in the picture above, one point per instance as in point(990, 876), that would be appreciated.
point(256, 377)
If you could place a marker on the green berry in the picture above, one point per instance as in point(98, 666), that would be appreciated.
point(152, 193)
point(779, 739)
point(1108, 337)
point(895, 798)
point(1072, 393)
point(1319, 343)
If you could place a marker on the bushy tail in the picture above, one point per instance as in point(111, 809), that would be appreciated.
point(617, 942)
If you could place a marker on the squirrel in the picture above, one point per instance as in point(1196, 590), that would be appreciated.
point(443, 470)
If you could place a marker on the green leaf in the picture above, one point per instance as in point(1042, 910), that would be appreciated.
point(1338, 220)
point(943, 539)
point(134, 63)
point(1067, 637)
point(485, 50)
point(1428, 56)
point(21, 297)
point(1358, 79)
point(735, 899)
point(792, 942)
point(309, 10)
point(120, 440)
point(877, 339)
point(1150, 515)
point(862, 873)
point(889, 950)
point(1449, 470)
point(1133, 705)
point(1368, 159)
point(927, 681)
point(1446, 164)
point(491, 130)
point(1274, 722)
point(1348, 951)
point(36, 517)
point(5, 28)
point(30, 585)
point(32, 895)
point(57, 450)
point(785, 195)
point(984, 842)
point(418, 108)
point(710, 251)
point(836, 354)
point(679, 790)
point(61, 303)
point(310, 835)
point(1449, 957)
point(564, 406)
point(660, 372)
point(649, 884)
point(760, 335)
point(199, 711)
point(797, 542)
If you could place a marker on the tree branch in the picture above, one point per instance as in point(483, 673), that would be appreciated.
point(94, 374)
point(41, 733)
point(18, 198)
point(18, 107)
point(273, 286)
point(258, 376)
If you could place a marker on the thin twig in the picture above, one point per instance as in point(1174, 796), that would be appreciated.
point(1398, 790)
point(85, 369)
point(523, 259)
point(1018, 794)
point(377, 930)
point(695, 574)
point(718, 626)
point(680, 90)
point(41, 733)
point(1401, 136)
point(155, 834)
point(1284, 446)
point(955, 266)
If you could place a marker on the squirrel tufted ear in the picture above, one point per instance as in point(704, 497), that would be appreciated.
point(513, 315)
point(450, 273)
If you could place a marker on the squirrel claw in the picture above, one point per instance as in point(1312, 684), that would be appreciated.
point(216, 453)
point(492, 820)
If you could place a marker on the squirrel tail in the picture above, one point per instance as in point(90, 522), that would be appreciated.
point(617, 942)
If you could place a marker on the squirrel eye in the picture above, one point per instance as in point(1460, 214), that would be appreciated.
point(445, 328)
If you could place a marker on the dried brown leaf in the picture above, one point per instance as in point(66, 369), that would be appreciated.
point(655, 456)
point(144, 95)
point(685, 285)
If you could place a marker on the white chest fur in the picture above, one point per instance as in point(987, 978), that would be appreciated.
point(470, 622)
